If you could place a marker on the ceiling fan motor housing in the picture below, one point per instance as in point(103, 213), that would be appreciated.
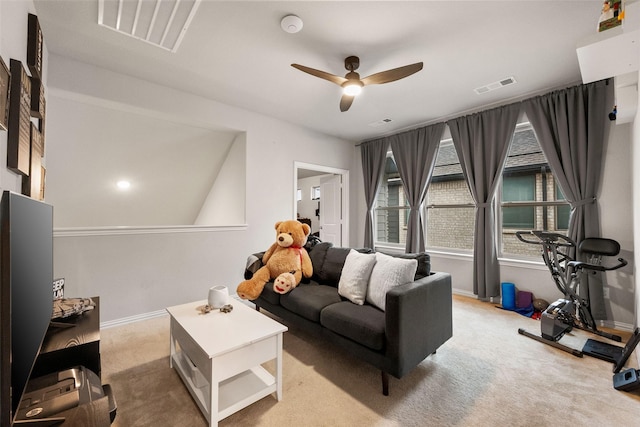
point(352, 63)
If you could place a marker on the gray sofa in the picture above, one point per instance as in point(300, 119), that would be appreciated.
point(416, 321)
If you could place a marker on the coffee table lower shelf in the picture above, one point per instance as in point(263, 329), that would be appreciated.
point(234, 393)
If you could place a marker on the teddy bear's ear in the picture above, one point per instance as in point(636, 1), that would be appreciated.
point(306, 229)
point(278, 224)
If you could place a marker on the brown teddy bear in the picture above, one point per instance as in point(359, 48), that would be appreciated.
point(286, 255)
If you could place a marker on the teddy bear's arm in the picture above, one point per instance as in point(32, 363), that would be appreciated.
point(268, 253)
point(307, 267)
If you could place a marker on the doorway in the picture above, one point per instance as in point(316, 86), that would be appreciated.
point(332, 206)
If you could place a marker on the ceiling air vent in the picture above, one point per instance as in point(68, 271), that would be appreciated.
point(380, 123)
point(161, 23)
point(495, 85)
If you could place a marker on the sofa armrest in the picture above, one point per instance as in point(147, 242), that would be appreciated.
point(418, 320)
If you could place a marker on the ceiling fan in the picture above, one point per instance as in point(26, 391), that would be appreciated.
point(352, 84)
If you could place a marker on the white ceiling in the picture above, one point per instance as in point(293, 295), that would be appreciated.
point(235, 52)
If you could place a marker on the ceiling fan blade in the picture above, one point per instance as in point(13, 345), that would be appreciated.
point(322, 74)
point(392, 75)
point(345, 102)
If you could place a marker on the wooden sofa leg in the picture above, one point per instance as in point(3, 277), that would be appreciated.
point(385, 383)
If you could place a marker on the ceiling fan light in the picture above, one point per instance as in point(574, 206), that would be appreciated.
point(352, 89)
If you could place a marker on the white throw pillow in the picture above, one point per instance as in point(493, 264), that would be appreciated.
point(355, 276)
point(389, 272)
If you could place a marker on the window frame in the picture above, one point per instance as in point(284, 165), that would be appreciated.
point(427, 207)
point(501, 231)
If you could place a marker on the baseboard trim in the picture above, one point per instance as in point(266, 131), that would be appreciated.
point(132, 319)
point(620, 326)
point(153, 314)
point(464, 293)
point(160, 313)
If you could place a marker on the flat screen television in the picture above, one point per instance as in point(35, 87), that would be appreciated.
point(26, 294)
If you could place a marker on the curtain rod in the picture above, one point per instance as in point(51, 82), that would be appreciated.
point(513, 100)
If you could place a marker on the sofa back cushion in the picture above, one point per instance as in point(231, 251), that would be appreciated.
point(424, 263)
point(354, 279)
point(389, 272)
point(328, 261)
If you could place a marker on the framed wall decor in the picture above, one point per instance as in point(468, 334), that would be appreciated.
point(41, 127)
point(5, 82)
point(34, 46)
point(37, 98)
point(32, 184)
point(19, 132)
point(43, 176)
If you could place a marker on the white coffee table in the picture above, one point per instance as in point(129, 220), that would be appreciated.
point(218, 356)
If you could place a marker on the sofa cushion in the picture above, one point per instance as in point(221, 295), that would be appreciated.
point(363, 324)
point(424, 263)
point(328, 261)
point(332, 267)
point(355, 276)
point(308, 300)
point(388, 272)
point(317, 255)
point(270, 295)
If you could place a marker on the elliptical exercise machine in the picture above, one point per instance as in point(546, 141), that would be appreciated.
point(573, 310)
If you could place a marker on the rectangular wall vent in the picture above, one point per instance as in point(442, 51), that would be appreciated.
point(495, 85)
point(380, 123)
point(161, 23)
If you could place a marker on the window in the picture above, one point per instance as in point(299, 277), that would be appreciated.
point(450, 217)
point(529, 199)
point(315, 193)
point(449, 212)
point(392, 208)
point(520, 188)
point(530, 196)
point(562, 212)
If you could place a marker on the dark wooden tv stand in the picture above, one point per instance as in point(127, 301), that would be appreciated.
point(74, 342)
point(69, 343)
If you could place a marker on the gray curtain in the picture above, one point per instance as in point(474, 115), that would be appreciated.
point(373, 155)
point(415, 155)
point(482, 143)
point(572, 127)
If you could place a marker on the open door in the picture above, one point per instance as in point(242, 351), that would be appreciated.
point(333, 223)
point(331, 209)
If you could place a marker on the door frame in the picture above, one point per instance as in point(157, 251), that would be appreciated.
point(345, 192)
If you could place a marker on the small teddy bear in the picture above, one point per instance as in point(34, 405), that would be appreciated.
point(286, 255)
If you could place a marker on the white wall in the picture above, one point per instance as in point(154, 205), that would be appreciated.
point(635, 212)
point(222, 205)
point(13, 44)
point(616, 204)
point(171, 166)
point(141, 272)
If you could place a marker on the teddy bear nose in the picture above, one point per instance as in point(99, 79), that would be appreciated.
point(281, 238)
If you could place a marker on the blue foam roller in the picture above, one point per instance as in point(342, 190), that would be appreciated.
point(508, 296)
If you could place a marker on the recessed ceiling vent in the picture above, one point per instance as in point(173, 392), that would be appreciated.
point(380, 123)
point(161, 23)
point(495, 85)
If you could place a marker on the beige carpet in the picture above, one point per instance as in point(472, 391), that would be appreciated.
point(487, 374)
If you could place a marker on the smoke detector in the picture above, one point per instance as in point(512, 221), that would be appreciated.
point(291, 24)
